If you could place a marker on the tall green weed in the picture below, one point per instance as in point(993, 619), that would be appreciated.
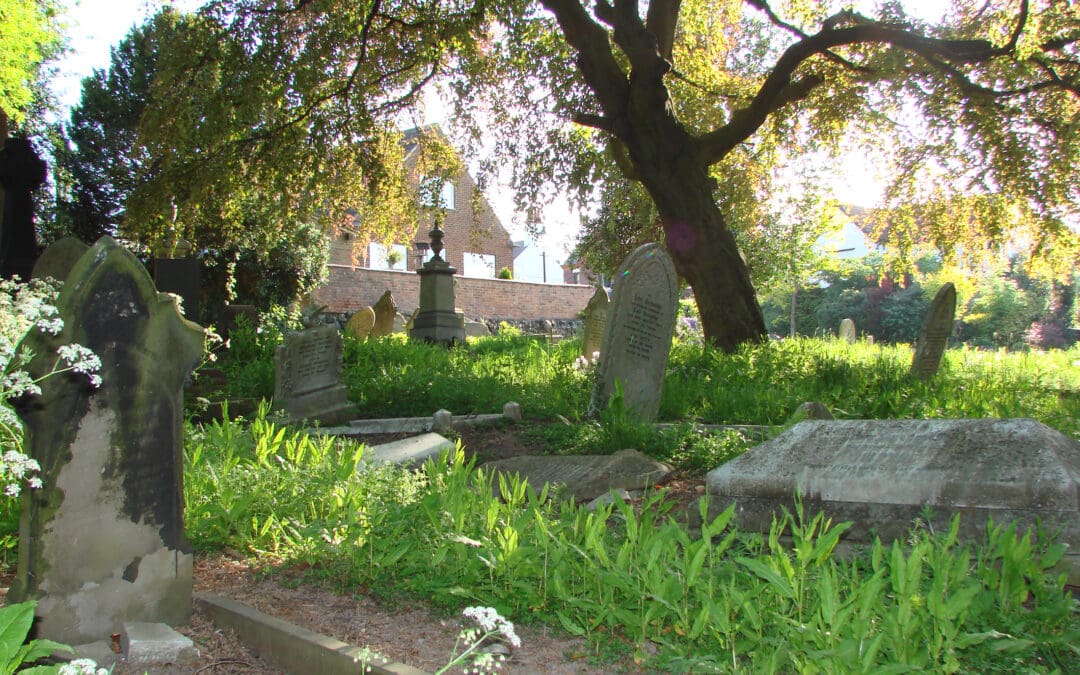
point(724, 602)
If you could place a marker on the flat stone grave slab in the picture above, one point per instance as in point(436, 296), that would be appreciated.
point(883, 474)
point(586, 477)
point(413, 450)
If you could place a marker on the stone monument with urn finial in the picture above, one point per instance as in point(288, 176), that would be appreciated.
point(437, 319)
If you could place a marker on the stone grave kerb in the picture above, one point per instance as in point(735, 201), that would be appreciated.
point(107, 524)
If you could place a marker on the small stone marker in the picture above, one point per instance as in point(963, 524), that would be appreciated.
point(385, 310)
point(229, 318)
point(360, 324)
point(476, 329)
point(595, 321)
point(935, 333)
point(586, 477)
point(307, 376)
point(882, 474)
point(58, 260)
point(811, 410)
point(102, 542)
point(637, 338)
point(400, 323)
point(847, 331)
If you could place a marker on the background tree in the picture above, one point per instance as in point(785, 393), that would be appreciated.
point(101, 162)
point(685, 93)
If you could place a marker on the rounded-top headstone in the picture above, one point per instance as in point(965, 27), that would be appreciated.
point(637, 338)
point(58, 260)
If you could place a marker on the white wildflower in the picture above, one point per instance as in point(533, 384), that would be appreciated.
point(51, 326)
point(81, 359)
point(492, 622)
point(81, 667)
point(18, 383)
point(12, 490)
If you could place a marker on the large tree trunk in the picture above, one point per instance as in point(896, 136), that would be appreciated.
point(700, 243)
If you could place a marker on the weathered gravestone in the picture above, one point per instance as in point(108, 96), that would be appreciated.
point(175, 271)
point(585, 477)
point(847, 331)
point(308, 380)
point(59, 259)
point(360, 324)
point(595, 322)
point(935, 333)
point(229, 318)
point(21, 173)
point(102, 542)
point(385, 310)
point(476, 329)
point(637, 338)
point(883, 474)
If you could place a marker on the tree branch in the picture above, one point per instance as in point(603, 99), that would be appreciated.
point(601, 71)
point(777, 91)
point(594, 121)
point(661, 20)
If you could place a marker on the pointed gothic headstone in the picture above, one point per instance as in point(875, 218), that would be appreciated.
point(637, 339)
point(935, 333)
point(102, 542)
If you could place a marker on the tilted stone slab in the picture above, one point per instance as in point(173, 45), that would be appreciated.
point(414, 450)
point(883, 474)
point(586, 477)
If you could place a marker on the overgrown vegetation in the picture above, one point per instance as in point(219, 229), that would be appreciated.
point(759, 384)
point(726, 602)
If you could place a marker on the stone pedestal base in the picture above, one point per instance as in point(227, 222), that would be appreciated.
point(439, 326)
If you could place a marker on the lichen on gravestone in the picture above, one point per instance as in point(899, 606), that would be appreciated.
point(102, 541)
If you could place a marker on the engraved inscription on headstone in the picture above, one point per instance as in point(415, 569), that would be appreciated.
point(102, 542)
point(308, 375)
point(637, 338)
point(935, 333)
point(595, 321)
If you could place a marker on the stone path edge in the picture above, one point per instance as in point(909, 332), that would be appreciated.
point(289, 647)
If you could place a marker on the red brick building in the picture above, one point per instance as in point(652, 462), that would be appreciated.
point(475, 242)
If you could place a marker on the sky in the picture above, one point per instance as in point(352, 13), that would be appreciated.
point(94, 26)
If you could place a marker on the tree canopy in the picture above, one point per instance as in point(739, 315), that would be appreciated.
point(291, 106)
point(29, 36)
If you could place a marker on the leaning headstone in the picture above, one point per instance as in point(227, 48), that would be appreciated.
point(585, 477)
point(102, 542)
point(637, 339)
point(883, 474)
point(595, 321)
point(399, 323)
point(58, 260)
point(385, 310)
point(360, 324)
point(935, 333)
point(847, 331)
point(308, 380)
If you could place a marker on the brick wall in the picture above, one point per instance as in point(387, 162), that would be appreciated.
point(350, 289)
